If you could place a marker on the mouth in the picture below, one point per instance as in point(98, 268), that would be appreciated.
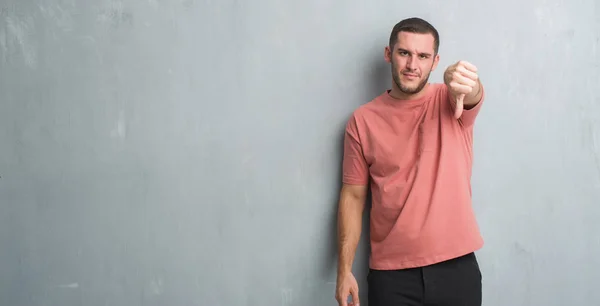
point(410, 75)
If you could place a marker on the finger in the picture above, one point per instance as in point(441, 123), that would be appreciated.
point(343, 300)
point(339, 296)
point(467, 73)
point(355, 300)
point(458, 88)
point(461, 79)
point(467, 65)
point(459, 106)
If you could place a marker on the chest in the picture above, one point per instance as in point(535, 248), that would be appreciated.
point(396, 141)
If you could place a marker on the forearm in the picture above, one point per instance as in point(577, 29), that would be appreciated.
point(349, 228)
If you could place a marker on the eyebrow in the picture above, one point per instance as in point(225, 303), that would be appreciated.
point(421, 53)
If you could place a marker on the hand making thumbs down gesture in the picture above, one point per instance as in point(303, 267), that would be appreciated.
point(463, 85)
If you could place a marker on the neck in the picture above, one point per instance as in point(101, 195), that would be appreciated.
point(396, 93)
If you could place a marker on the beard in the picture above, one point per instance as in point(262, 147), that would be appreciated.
point(405, 88)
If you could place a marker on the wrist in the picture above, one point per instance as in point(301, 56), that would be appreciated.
point(344, 270)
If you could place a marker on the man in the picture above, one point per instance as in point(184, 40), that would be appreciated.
point(412, 145)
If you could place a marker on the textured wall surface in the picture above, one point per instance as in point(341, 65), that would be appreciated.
point(187, 152)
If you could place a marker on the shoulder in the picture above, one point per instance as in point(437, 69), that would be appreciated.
point(440, 90)
point(358, 119)
point(439, 96)
point(369, 108)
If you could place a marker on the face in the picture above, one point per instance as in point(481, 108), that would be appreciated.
point(412, 60)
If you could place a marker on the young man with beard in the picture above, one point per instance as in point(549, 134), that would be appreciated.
point(413, 146)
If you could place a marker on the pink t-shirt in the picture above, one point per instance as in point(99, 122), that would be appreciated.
point(417, 158)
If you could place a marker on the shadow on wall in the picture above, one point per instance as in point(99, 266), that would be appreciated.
point(376, 81)
point(379, 77)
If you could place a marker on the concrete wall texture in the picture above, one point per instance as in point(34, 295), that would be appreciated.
point(187, 152)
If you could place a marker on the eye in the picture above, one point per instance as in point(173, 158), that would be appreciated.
point(403, 53)
point(423, 56)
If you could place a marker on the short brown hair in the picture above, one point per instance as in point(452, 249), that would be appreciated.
point(415, 25)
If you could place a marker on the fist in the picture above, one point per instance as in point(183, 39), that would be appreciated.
point(461, 78)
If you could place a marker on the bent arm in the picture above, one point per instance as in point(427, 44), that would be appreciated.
point(350, 211)
point(471, 105)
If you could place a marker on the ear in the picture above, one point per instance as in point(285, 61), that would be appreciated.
point(436, 60)
point(387, 54)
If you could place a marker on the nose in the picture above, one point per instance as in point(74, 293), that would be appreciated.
point(410, 62)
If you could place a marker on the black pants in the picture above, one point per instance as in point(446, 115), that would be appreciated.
point(455, 282)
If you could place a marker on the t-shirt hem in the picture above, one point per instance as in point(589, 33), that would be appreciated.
point(425, 261)
point(350, 181)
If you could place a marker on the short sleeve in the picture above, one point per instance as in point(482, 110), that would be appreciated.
point(355, 170)
point(469, 115)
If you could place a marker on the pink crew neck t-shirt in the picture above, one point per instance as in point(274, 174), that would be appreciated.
point(417, 159)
